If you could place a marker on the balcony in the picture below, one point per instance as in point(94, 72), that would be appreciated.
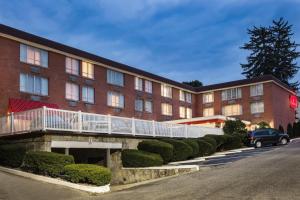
point(50, 119)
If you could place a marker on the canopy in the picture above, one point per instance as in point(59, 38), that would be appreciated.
point(19, 105)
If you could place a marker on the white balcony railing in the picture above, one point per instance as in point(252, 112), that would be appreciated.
point(44, 119)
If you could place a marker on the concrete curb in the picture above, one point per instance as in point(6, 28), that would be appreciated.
point(86, 188)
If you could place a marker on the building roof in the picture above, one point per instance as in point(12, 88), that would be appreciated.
point(77, 52)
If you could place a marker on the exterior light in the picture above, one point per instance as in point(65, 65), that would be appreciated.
point(293, 102)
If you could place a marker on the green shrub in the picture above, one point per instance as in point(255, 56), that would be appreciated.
point(211, 141)
point(205, 148)
point(136, 158)
point(220, 139)
point(12, 155)
point(86, 173)
point(232, 142)
point(194, 144)
point(181, 151)
point(46, 163)
point(234, 126)
point(165, 150)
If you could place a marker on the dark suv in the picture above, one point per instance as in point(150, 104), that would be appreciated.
point(268, 136)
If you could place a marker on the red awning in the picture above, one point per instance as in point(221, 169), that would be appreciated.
point(18, 105)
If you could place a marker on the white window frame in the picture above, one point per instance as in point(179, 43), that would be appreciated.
point(148, 106)
point(189, 113)
point(182, 112)
point(115, 77)
point(231, 94)
point(231, 110)
point(138, 84)
point(72, 91)
point(88, 94)
point(208, 112)
point(181, 95)
point(148, 86)
point(115, 99)
point(188, 97)
point(33, 55)
point(139, 105)
point(257, 107)
point(208, 97)
point(256, 90)
point(72, 66)
point(166, 91)
point(33, 84)
point(166, 109)
point(87, 70)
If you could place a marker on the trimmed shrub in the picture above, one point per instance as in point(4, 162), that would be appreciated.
point(12, 155)
point(137, 158)
point(211, 141)
point(86, 173)
point(194, 144)
point(165, 150)
point(232, 142)
point(205, 148)
point(46, 163)
point(181, 151)
point(234, 126)
point(220, 139)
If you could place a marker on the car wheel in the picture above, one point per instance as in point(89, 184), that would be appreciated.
point(258, 144)
point(283, 141)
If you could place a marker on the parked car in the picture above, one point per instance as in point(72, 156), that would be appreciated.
point(268, 136)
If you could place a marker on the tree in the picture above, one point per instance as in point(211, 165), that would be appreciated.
point(290, 130)
point(272, 52)
point(234, 127)
point(194, 83)
point(262, 125)
point(281, 129)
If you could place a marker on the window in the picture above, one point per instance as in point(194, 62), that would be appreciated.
point(208, 97)
point(72, 66)
point(87, 70)
point(256, 90)
point(166, 109)
point(115, 78)
point(182, 112)
point(148, 106)
point(33, 84)
point(234, 93)
point(72, 91)
point(181, 95)
point(231, 110)
point(139, 105)
point(257, 107)
point(166, 91)
point(88, 94)
point(33, 55)
point(207, 112)
point(188, 97)
point(138, 83)
point(148, 86)
point(115, 99)
point(189, 113)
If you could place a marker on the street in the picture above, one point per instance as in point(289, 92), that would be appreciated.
point(271, 173)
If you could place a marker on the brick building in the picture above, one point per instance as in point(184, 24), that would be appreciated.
point(36, 71)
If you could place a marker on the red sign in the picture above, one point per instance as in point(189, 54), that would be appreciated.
point(293, 101)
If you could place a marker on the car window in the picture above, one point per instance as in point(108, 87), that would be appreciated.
point(273, 132)
point(261, 133)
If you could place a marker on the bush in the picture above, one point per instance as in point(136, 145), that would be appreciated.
point(211, 141)
point(181, 150)
point(205, 148)
point(136, 158)
point(194, 144)
point(220, 139)
point(290, 130)
point(165, 150)
point(12, 155)
point(234, 127)
point(86, 173)
point(232, 142)
point(46, 163)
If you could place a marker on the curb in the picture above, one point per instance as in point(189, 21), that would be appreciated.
point(86, 188)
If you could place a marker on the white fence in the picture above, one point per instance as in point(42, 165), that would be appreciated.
point(44, 119)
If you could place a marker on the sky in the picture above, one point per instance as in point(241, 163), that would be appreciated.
point(179, 39)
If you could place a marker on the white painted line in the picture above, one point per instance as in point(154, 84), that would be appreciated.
point(187, 161)
point(86, 188)
point(207, 165)
point(192, 167)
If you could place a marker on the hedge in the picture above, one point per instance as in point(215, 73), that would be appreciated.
point(194, 144)
point(137, 158)
point(232, 142)
point(211, 141)
point(12, 155)
point(87, 173)
point(205, 148)
point(165, 150)
point(220, 139)
point(46, 163)
point(181, 150)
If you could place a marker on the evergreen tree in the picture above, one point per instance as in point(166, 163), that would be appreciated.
point(281, 129)
point(272, 52)
point(290, 130)
point(194, 83)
